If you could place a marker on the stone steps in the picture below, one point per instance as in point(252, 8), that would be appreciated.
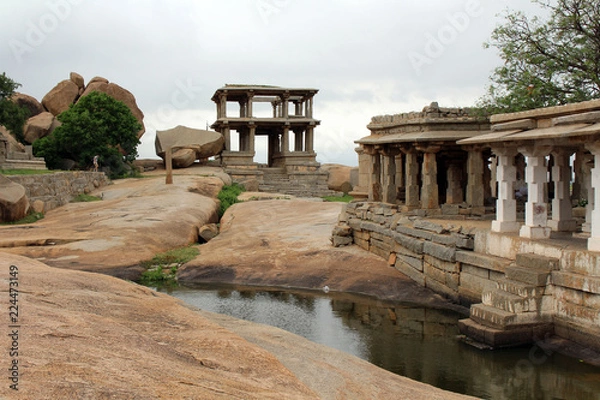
point(518, 304)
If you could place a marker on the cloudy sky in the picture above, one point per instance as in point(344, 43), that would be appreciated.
point(366, 57)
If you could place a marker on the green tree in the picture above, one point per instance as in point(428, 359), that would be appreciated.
point(12, 116)
point(546, 62)
point(96, 125)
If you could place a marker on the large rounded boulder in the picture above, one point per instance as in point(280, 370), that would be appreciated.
point(38, 127)
point(33, 106)
point(60, 98)
point(188, 144)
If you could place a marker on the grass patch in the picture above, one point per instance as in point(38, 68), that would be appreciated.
point(85, 198)
point(29, 219)
point(161, 269)
point(343, 199)
point(26, 171)
point(229, 196)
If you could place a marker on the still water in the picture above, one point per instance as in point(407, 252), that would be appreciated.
point(416, 342)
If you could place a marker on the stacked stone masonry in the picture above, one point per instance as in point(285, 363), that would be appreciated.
point(516, 296)
point(436, 256)
point(48, 191)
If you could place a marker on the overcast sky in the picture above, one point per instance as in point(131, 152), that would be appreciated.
point(366, 57)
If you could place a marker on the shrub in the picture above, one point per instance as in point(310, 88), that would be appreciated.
point(229, 196)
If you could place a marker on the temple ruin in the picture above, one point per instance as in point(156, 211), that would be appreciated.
point(413, 159)
point(534, 271)
point(289, 126)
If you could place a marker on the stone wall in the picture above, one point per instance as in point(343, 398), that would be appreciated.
point(435, 255)
point(48, 191)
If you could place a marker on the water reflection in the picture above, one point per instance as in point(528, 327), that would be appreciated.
point(416, 342)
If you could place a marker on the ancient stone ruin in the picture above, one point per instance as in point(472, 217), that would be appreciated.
point(188, 145)
point(536, 272)
point(290, 129)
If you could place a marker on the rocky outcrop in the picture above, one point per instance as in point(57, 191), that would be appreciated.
point(188, 144)
point(14, 203)
point(69, 91)
point(13, 145)
point(60, 98)
point(118, 93)
point(39, 126)
point(339, 177)
point(33, 106)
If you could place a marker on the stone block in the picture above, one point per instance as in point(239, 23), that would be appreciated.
point(446, 240)
point(411, 272)
point(432, 272)
point(417, 233)
point(441, 289)
point(362, 235)
point(453, 267)
point(341, 241)
point(429, 226)
point(591, 300)
point(569, 295)
point(505, 301)
point(579, 313)
point(530, 276)
point(480, 272)
point(589, 284)
point(468, 297)
point(475, 284)
point(535, 261)
point(491, 317)
point(442, 252)
point(464, 242)
point(363, 244)
point(452, 281)
point(482, 260)
point(520, 289)
point(342, 230)
point(412, 244)
point(406, 252)
point(416, 263)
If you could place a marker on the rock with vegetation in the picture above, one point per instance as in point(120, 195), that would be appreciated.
point(33, 106)
point(14, 203)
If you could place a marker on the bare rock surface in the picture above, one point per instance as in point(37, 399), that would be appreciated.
point(136, 219)
point(90, 336)
point(93, 336)
point(286, 243)
point(13, 144)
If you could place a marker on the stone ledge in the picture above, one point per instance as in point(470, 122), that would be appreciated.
point(482, 260)
point(587, 284)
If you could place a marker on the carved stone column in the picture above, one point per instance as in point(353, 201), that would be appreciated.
point(594, 240)
point(389, 175)
point(562, 215)
point(298, 142)
point(429, 186)
point(412, 179)
point(285, 140)
point(400, 178)
point(506, 205)
point(454, 193)
point(252, 138)
point(309, 139)
point(475, 166)
point(536, 208)
point(374, 186)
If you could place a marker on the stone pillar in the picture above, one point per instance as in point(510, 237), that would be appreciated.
point(429, 186)
point(494, 176)
point(412, 180)
point(562, 208)
point(475, 191)
point(536, 208)
point(274, 105)
point(285, 140)
point(389, 176)
point(375, 177)
point(594, 240)
point(309, 107)
point(227, 137)
point(169, 165)
point(506, 205)
point(285, 103)
point(400, 178)
point(454, 194)
point(581, 176)
point(309, 139)
point(298, 142)
point(222, 111)
point(298, 108)
point(252, 138)
point(242, 109)
point(586, 187)
point(249, 108)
